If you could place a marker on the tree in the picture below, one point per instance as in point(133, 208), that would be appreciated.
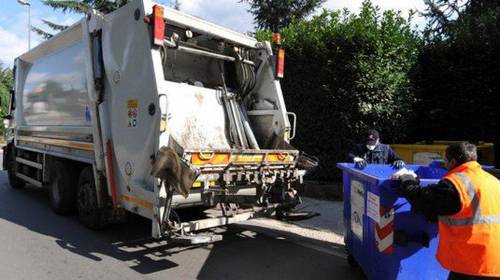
point(6, 83)
point(77, 6)
point(443, 15)
point(457, 83)
point(277, 14)
point(176, 4)
point(84, 6)
point(346, 73)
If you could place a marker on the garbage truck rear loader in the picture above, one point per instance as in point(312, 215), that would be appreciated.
point(148, 110)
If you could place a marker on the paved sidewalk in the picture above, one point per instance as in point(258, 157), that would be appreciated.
point(326, 228)
point(331, 215)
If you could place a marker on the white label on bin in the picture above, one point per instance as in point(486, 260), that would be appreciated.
point(357, 208)
point(373, 205)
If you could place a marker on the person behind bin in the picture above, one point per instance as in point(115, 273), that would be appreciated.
point(466, 205)
point(372, 151)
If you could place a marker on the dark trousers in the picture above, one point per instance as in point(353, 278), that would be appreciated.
point(459, 276)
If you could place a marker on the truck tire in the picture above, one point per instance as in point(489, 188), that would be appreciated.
point(88, 212)
point(62, 187)
point(14, 181)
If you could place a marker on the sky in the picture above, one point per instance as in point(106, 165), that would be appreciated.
point(229, 13)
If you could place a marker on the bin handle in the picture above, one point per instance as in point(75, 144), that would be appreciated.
point(294, 125)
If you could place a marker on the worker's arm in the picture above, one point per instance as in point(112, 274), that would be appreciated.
point(357, 156)
point(392, 156)
point(441, 199)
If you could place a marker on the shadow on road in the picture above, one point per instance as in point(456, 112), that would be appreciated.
point(243, 254)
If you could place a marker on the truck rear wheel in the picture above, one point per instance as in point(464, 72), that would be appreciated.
point(14, 181)
point(62, 187)
point(88, 211)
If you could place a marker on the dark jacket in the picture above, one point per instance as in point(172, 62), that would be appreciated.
point(441, 199)
point(382, 154)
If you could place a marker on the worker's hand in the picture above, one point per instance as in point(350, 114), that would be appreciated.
point(408, 177)
point(359, 163)
point(398, 164)
point(403, 173)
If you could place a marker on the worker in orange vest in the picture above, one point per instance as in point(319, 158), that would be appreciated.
point(466, 205)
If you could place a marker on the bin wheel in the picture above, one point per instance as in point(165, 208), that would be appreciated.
point(14, 182)
point(352, 261)
point(62, 188)
point(88, 212)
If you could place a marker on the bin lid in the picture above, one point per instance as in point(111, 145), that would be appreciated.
point(377, 173)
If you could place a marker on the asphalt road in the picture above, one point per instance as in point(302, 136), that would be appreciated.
point(38, 244)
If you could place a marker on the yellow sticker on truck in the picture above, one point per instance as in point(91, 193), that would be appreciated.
point(132, 106)
point(133, 103)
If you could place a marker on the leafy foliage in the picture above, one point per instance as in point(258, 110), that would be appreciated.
point(6, 83)
point(275, 15)
point(176, 4)
point(77, 6)
point(54, 26)
point(84, 6)
point(444, 15)
point(346, 73)
point(45, 35)
point(458, 82)
point(441, 15)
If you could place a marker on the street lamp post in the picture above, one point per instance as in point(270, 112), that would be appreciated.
point(28, 4)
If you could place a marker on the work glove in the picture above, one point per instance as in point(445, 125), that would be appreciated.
point(408, 183)
point(404, 180)
point(398, 164)
point(359, 163)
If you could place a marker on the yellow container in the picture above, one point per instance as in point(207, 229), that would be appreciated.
point(425, 152)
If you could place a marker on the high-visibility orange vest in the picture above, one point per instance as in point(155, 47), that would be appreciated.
point(469, 241)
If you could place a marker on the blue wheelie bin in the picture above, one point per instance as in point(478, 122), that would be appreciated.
point(382, 234)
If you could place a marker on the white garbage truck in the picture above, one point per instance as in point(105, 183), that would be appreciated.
point(148, 110)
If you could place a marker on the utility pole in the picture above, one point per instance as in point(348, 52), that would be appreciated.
point(28, 4)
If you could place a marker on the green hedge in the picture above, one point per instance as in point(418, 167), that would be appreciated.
point(6, 83)
point(459, 82)
point(346, 73)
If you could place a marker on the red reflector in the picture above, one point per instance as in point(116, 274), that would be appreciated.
point(280, 64)
point(158, 25)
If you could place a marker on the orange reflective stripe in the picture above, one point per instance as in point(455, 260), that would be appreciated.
point(137, 201)
point(476, 217)
point(211, 158)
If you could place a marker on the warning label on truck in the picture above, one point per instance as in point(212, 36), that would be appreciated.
point(357, 208)
point(132, 106)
